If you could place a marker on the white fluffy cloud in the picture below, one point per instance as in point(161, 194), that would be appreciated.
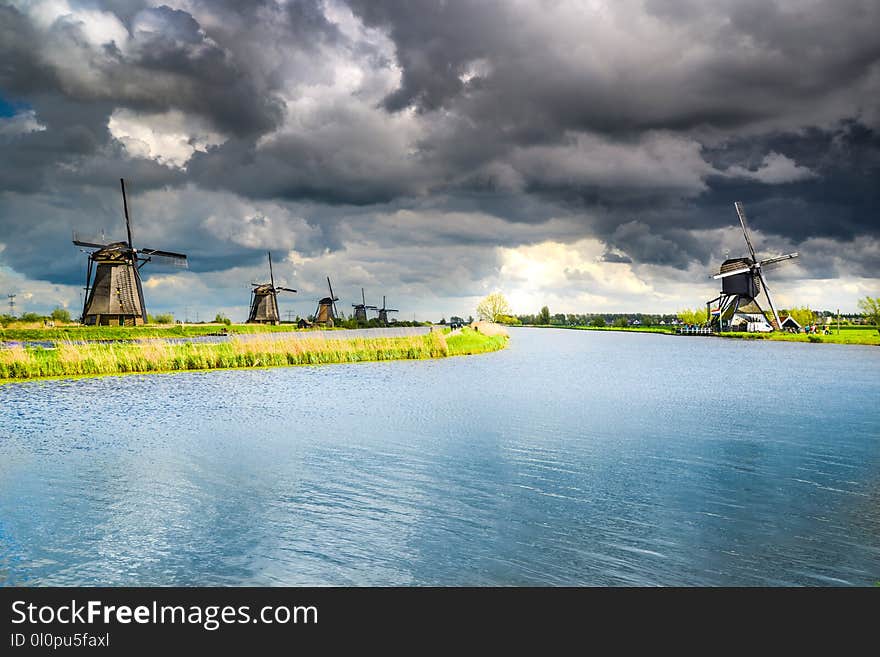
point(169, 137)
point(775, 169)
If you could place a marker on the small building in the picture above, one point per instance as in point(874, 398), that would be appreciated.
point(790, 323)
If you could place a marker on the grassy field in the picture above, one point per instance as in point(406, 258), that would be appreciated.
point(68, 359)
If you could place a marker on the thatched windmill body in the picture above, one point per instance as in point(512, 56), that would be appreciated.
point(114, 294)
point(326, 313)
point(384, 310)
point(360, 309)
point(742, 281)
point(264, 300)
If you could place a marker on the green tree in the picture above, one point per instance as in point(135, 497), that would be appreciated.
point(220, 318)
point(621, 322)
point(61, 315)
point(802, 315)
point(598, 321)
point(493, 307)
point(870, 307)
point(544, 316)
point(164, 318)
point(696, 316)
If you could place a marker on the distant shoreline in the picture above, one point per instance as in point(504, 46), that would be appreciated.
point(852, 335)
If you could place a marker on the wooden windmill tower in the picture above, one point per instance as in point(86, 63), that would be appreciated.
point(264, 300)
point(383, 312)
point(360, 309)
point(326, 313)
point(742, 281)
point(114, 294)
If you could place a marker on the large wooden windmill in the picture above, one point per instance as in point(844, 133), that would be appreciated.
point(264, 300)
point(326, 313)
point(383, 312)
point(360, 309)
point(742, 281)
point(114, 294)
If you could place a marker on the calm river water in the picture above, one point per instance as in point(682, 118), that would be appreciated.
point(571, 458)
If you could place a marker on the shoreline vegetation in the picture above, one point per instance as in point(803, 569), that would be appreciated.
point(860, 335)
point(68, 359)
point(74, 332)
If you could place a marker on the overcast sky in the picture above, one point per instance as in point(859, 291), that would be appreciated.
point(585, 155)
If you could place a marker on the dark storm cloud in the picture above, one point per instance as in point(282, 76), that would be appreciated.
point(610, 256)
point(724, 64)
point(165, 62)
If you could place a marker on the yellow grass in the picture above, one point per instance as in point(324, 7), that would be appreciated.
point(161, 356)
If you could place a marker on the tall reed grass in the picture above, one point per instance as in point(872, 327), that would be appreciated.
point(69, 359)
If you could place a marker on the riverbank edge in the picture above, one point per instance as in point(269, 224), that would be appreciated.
point(797, 338)
point(432, 346)
point(74, 332)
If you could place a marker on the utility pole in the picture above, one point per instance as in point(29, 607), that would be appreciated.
point(11, 304)
point(838, 321)
point(289, 314)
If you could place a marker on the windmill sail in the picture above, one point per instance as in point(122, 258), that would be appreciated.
point(741, 213)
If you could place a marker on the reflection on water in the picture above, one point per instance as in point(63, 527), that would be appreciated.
point(569, 458)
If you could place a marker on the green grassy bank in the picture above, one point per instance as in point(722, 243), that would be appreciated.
point(848, 336)
point(467, 342)
point(68, 359)
point(79, 332)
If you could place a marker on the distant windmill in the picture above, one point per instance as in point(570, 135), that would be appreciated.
point(742, 280)
point(360, 309)
point(115, 296)
point(326, 312)
point(264, 300)
point(383, 312)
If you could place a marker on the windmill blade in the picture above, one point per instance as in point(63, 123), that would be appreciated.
point(90, 241)
point(332, 296)
point(741, 213)
point(769, 300)
point(90, 245)
point(285, 289)
point(271, 275)
point(363, 298)
point(391, 310)
point(163, 257)
point(125, 209)
point(733, 273)
point(775, 262)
